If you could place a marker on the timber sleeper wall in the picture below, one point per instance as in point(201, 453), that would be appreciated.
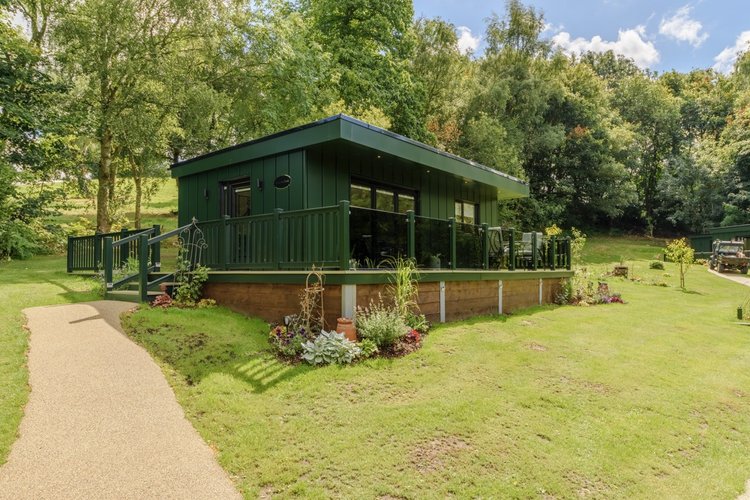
point(440, 301)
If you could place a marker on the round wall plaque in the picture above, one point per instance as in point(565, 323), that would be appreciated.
point(282, 181)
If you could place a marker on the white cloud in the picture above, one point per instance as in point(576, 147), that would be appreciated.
point(467, 42)
point(682, 28)
point(630, 43)
point(726, 58)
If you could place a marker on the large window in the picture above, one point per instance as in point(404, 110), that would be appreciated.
point(467, 212)
point(236, 198)
point(380, 197)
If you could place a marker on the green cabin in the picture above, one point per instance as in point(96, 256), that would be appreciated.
point(382, 175)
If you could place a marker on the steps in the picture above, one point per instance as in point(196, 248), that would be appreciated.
point(130, 292)
point(129, 295)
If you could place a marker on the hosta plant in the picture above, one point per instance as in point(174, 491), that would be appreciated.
point(330, 348)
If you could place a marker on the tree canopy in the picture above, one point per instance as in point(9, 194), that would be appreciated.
point(97, 91)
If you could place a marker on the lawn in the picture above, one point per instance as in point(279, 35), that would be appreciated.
point(647, 399)
point(160, 209)
point(36, 282)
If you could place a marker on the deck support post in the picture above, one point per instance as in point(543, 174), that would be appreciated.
point(511, 250)
point(143, 267)
point(485, 246)
point(278, 242)
point(411, 249)
point(225, 239)
point(108, 262)
point(500, 296)
point(344, 235)
point(452, 226)
point(70, 254)
point(534, 250)
point(442, 301)
point(156, 252)
point(349, 301)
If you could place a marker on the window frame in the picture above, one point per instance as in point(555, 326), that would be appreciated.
point(461, 217)
point(374, 186)
point(228, 199)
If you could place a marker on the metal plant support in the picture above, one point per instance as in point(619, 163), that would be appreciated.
point(192, 243)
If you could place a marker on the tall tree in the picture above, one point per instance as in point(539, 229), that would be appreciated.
point(109, 49)
point(371, 42)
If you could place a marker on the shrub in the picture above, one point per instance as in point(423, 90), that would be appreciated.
point(288, 340)
point(656, 265)
point(381, 324)
point(368, 348)
point(403, 287)
point(330, 348)
point(418, 322)
point(190, 284)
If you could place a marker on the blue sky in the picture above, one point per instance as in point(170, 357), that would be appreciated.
point(659, 35)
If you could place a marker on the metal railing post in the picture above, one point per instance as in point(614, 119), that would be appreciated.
point(534, 250)
point(553, 251)
point(278, 236)
point(225, 241)
point(411, 247)
point(452, 225)
point(485, 246)
point(156, 252)
point(568, 254)
point(344, 244)
point(70, 254)
point(511, 249)
point(124, 259)
point(143, 267)
point(108, 262)
point(97, 250)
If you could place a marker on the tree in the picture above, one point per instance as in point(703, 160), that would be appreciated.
point(444, 74)
point(109, 49)
point(31, 154)
point(680, 252)
point(371, 44)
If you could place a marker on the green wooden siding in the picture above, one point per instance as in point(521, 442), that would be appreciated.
point(321, 176)
point(193, 203)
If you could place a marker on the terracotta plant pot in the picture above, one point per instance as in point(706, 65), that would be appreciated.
point(346, 326)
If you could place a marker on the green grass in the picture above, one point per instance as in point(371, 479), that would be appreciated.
point(35, 282)
point(161, 209)
point(611, 249)
point(648, 399)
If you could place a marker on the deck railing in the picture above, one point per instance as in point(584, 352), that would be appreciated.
point(86, 253)
point(337, 237)
point(344, 237)
point(296, 239)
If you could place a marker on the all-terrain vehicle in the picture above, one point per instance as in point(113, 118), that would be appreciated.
point(729, 255)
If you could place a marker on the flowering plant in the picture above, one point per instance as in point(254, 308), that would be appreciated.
point(288, 341)
point(413, 336)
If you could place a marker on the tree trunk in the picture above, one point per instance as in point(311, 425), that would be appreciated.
point(138, 181)
point(102, 195)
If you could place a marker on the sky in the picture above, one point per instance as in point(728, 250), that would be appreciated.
point(657, 34)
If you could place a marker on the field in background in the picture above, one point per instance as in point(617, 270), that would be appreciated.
point(161, 209)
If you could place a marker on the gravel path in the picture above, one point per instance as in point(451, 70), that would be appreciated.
point(101, 421)
point(743, 279)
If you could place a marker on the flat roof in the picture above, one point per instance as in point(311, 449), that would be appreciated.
point(348, 129)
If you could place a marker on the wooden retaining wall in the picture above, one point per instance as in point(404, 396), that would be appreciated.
point(460, 299)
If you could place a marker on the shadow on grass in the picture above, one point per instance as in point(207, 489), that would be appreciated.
point(197, 344)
